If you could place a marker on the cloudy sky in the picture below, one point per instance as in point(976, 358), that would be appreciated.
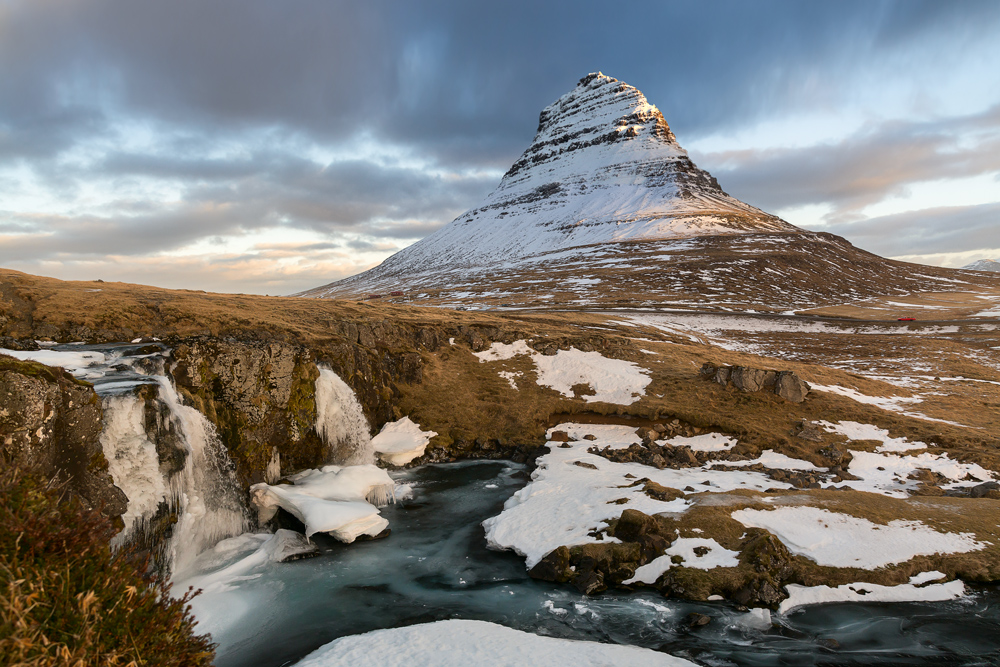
point(268, 147)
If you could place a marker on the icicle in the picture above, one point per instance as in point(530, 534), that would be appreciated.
point(381, 495)
point(206, 492)
point(341, 422)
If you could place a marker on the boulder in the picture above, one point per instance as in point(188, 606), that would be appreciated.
point(790, 387)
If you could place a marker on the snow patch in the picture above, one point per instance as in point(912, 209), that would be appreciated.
point(684, 548)
point(612, 380)
point(706, 442)
point(842, 540)
point(799, 596)
point(460, 643)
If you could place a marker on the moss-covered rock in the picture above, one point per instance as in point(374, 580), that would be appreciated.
point(50, 424)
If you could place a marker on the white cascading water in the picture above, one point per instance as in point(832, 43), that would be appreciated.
point(132, 462)
point(341, 422)
point(205, 493)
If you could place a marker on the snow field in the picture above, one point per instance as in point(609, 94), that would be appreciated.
point(460, 643)
point(888, 470)
point(613, 380)
point(565, 501)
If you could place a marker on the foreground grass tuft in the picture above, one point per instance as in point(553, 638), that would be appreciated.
point(65, 601)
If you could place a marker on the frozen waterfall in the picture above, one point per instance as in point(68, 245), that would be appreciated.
point(204, 492)
point(341, 422)
point(132, 462)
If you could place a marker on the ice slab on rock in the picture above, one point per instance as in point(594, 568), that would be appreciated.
point(335, 500)
point(460, 643)
point(401, 441)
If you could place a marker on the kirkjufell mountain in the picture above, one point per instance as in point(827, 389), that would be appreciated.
point(606, 209)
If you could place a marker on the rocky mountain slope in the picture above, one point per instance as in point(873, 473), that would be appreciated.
point(606, 209)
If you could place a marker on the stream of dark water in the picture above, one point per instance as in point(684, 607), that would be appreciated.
point(436, 566)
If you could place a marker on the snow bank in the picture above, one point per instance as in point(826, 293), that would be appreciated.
point(331, 500)
point(842, 540)
point(800, 596)
point(401, 441)
point(459, 643)
point(612, 380)
point(684, 547)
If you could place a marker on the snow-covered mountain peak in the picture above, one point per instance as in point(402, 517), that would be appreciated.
point(603, 168)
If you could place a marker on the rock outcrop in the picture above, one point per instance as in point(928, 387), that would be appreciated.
point(785, 384)
point(50, 424)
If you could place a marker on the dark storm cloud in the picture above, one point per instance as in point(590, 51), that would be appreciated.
point(864, 168)
point(463, 80)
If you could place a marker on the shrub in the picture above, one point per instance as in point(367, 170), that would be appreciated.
point(66, 601)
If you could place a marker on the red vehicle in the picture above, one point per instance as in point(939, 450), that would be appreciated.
point(374, 296)
point(396, 293)
point(906, 319)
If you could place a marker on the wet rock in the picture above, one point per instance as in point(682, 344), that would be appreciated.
point(983, 490)
point(613, 562)
point(771, 565)
point(590, 582)
point(696, 620)
point(554, 567)
point(643, 531)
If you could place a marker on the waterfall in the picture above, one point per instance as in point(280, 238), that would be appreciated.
point(203, 492)
point(132, 462)
point(206, 492)
point(341, 422)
